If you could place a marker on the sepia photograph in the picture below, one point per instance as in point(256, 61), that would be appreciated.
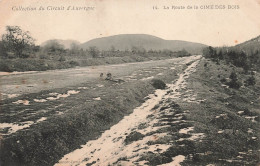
point(129, 82)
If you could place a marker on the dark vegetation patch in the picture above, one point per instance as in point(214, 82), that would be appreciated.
point(155, 159)
point(133, 136)
point(120, 159)
point(142, 126)
point(158, 84)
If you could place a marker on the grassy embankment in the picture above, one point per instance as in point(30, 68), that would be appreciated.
point(83, 119)
point(229, 136)
point(36, 64)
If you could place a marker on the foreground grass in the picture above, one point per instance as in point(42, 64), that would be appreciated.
point(82, 120)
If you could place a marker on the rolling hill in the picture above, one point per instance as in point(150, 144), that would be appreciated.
point(250, 45)
point(127, 41)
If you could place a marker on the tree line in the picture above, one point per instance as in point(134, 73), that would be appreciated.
point(248, 59)
point(17, 43)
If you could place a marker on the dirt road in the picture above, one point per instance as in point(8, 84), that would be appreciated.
point(13, 84)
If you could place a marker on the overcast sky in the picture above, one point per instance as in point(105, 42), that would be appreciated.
point(216, 27)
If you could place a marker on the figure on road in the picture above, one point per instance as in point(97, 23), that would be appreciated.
point(109, 76)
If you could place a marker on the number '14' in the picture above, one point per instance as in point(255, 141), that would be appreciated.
point(155, 8)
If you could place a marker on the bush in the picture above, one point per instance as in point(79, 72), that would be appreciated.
point(43, 56)
point(250, 81)
point(223, 80)
point(74, 63)
point(233, 76)
point(234, 84)
point(6, 67)
point(25, 55)
point(158, 84)
point(133, 136)
point(62, 59)
point(248, 112)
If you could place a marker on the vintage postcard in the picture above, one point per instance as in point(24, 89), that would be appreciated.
point(129, 82)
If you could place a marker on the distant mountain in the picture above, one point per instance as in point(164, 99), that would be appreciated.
point(127, 41)
point(65, 43)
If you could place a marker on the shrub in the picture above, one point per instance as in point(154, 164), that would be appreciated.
point(6, 67)
point(233, 76)
point(196, 158)
point(158, 84)
point(234, 84)
point(217, 62)
point(188, 64)
point(74, 63)
point(43, 56)
point(25, 55)
point(223, 80)
point(250, 81)
point(62, 58)
point(248, 112)
point(133, 136)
